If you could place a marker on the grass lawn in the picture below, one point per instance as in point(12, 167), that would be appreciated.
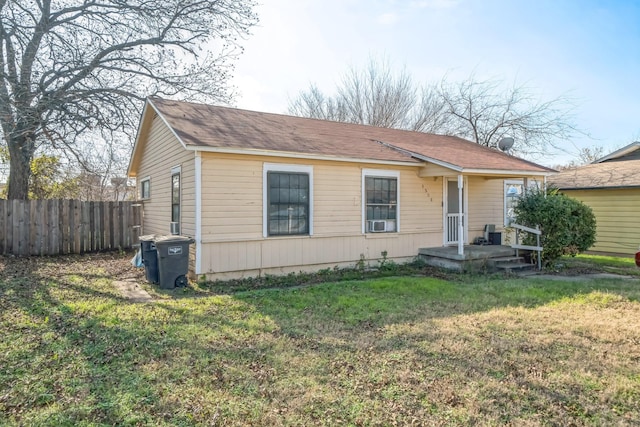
point(387, 351)
point(608, 264)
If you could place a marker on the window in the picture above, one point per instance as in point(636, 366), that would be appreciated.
point(288, 190)
point(175, 195)
point(145, 188)
point(512, 192)
point(380, 195)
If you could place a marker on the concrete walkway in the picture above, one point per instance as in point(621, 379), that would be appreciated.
point(132, 291)
point(578, 278)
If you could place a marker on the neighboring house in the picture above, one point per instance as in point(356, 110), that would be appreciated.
point(611, 187)
point(270, 194)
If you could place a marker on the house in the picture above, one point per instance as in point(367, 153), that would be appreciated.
point(611, 187)
point(270, 194)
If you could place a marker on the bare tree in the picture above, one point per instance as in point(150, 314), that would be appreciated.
point(314, 104)
point(483, 111)
point(585, 156)
point(374, 96)
point(68, 67)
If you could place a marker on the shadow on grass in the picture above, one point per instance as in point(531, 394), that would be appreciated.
point(77, 352)
point(69, 358)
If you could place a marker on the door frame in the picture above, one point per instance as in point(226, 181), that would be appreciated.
point(445, 208)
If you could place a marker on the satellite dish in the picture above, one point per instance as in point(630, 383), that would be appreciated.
point(505, 144)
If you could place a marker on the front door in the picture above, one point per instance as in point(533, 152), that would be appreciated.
point(452, 213)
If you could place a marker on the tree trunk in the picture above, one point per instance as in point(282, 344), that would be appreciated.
point(21, 151)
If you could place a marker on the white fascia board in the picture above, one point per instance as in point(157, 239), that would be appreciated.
point(147, 105)
point(423, 158)
point(462, 169)
point(137, 140)
point(502, 172)
point(288, 154)
point(436, 162)
point(166, 123)
point(471, 171)
point(619, 153)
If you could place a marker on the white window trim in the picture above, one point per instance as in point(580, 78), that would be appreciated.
point(506, 184)
point(380, 173)
point(145, 179)
point(176, 170)
point(281, 167)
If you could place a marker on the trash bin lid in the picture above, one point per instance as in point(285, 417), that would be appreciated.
point(170, 239)
point(148, 237)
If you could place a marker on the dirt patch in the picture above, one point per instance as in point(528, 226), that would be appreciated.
point(113, 265)
point(132, 291)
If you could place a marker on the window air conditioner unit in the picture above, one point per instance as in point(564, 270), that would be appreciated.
point(175, 228)
point(378, 226)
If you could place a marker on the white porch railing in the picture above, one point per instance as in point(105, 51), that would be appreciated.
point(536, 248)
point(453, 227)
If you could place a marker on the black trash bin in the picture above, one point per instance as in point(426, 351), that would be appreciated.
point(173, 260)
point(149, 257)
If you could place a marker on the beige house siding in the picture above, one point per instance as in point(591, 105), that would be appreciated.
point(161, 152)
point(232, 217)
point(486, 204)
point(616, 211)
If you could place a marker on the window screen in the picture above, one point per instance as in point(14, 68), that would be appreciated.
point(288, 203)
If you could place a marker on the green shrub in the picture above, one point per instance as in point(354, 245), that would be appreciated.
point(568, 226)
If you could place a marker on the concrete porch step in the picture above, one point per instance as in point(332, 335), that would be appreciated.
point(511, 266)
point(506, 260)
point(475, 259)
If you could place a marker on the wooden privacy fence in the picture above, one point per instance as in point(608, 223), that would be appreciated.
point(52, 227)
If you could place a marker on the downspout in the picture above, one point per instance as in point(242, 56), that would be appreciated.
point(198, 190)
point(460, 216)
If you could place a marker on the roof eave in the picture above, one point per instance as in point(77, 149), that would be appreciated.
point(148, 106)
point(131, 172)
point(611, 187)
point(463, 170)
point(619, 153)
point(295, 155)
point(505, 172)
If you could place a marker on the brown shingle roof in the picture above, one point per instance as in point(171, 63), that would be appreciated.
point(599, 175)
point(202, 125)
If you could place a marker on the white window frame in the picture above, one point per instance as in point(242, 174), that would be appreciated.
point(176, 170)
point(282, 167)
point(379, 173)
point(142, 181)
point(507, 183)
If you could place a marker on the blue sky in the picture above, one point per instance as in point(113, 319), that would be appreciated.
point(588, 50)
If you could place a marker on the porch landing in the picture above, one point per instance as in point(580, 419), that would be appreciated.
point(475, 258)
